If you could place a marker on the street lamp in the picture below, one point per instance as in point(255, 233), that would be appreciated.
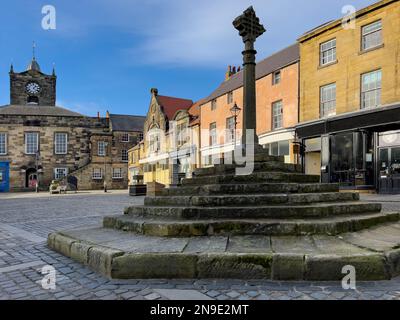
point(105, 166)
point(235, 111)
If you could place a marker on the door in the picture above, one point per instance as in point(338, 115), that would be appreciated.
point(4, 177)
point(389, 170)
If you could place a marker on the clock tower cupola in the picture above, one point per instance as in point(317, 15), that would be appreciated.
point(32, 87)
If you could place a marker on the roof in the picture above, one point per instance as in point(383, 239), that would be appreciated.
point(338, 22)
point(270, 64)
point(194, 112)
point(121, 122)
point(35, 110)
point(33, 65)
point(171, 105)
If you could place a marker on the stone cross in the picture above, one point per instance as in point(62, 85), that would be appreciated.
point(250, 28)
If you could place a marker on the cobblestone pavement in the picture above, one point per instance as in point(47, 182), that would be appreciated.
point(26, 219)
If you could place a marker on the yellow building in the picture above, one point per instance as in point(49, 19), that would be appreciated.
point(170, 149)
point(349, 99)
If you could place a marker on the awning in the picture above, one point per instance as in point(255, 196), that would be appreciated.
point(378, 119)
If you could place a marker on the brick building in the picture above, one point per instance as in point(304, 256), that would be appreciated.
point(277, 79)
point(41, 142)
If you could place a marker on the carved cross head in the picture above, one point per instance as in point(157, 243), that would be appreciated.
point(248, 25)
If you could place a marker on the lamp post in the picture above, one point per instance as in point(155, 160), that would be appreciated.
point(37, 155)
point(105, 166)
point(235, 111)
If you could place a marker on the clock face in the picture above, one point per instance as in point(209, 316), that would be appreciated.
point(32, 88)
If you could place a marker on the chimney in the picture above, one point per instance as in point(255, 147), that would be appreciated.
point(107, 117)
point(98, 115)
point(228, 73)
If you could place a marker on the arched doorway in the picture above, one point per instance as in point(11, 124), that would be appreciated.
point(31, 178)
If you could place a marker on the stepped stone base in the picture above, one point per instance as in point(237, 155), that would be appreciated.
point(275, 223)
point(375, 253)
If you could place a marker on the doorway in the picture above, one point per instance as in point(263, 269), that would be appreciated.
point(4, 177)
point(389, 170)
point(31, 178)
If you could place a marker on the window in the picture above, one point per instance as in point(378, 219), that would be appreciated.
point(276, 77)
point(182, 133)
point(280, 148)
point(214, 104)
point(230, 97)
point(60, 143)
point(117, 173)
point(124, 155)
point(97, 174)
point(328, 52)
point(213, 134)
point(125, 137)
point(230, 129)
point(371, 35)
point(31, 142)
point(140, 136)
point(328, 100)
point(60, 173)
point(102, 145)
point(3, 143)
point(371, 89)
point(154, 142)
point(277, 115)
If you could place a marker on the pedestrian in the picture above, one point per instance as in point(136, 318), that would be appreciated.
point(105, 186)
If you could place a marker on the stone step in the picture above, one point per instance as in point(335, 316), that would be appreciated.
point(224, 169)
point(250, 200)
point(225, 227)
point(255, 177)
point(123, 255)
point(276, 212)
point(251, 188)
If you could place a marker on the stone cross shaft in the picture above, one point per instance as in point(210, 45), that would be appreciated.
point(250, 28)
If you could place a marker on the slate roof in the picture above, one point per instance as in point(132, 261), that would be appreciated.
point(120, 122)
point(267, 66)
point(35, 110)
point(171, 105)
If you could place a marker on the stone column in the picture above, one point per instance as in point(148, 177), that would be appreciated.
point(250, 29)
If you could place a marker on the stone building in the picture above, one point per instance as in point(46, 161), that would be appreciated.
point(350, 99)
point(41, 142)
point(277, 79)
point(170, 149)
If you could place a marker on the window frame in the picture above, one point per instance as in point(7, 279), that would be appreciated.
point(273, 116)
point(230, 132)
point(229, 97)
point(104, 148)
point(55, 143)
point(124, 152)
point(99, 176)
point(26, 142)
point(276, 80)
point(213, 134)
point(213, 104)
point(117, 177)
point(362, 93)
point(322, 52)
point(363, 36)
point(56, 177)
point(124, 135)
point(5, 134)
point(323, 103)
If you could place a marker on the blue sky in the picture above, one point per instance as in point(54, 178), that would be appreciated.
point(109, 53)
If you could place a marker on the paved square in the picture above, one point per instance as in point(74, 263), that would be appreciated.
point(27, 219)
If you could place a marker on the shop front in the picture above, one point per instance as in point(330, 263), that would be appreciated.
point(359, 151)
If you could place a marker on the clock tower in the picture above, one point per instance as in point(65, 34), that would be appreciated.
point(32, 87)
